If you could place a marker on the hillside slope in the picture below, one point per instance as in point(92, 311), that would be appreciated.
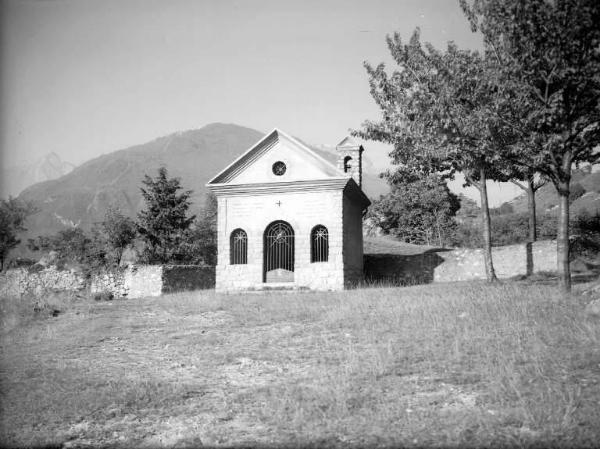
point(547, 199)
point(81, 197)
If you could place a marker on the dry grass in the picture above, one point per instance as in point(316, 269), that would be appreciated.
point(439, 365)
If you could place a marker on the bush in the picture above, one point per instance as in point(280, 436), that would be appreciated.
point(513, 229)
point(577, 191)
point(507, 229)
point(103, 296)
point(585, 235)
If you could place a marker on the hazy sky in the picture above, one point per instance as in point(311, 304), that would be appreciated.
point(85, 77)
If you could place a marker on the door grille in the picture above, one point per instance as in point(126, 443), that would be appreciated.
point(279, 252)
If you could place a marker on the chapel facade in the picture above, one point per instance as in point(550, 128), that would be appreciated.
point(290, 218)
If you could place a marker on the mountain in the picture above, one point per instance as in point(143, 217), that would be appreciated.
point(17, 178)
point(81, 197)
point(547, 199)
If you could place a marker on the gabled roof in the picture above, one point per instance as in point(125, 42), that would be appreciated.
point(348, 141)
point(263, 146)
point(330, 177)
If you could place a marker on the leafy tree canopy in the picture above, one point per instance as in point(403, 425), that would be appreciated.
point(72, 246)
point(546, 58)
point(546, 54)
point(13, 213)
point(417, 210)
point(164, 221)
point(200, 243)
point(118, 231)
point(440, 112)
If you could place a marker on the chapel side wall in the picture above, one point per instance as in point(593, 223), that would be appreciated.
point(303, 211)
point(353, 243)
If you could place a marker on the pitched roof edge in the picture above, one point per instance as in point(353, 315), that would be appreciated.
point(241, 156)
point(281, 134)
point(309, 151)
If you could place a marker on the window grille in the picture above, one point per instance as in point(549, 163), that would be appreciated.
point(347, 164)
point(279, 247)
point(238, 247)
point(319, 244)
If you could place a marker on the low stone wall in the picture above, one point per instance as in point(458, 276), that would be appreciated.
point(138, 281)
point(21, 281)
point(144, 280)
point(459, 264)
point(509, 261)
point(177, 278)
point(401, 270)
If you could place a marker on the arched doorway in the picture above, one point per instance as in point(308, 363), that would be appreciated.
point(278, 253)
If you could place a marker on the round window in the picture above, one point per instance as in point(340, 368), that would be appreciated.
point(279, 168)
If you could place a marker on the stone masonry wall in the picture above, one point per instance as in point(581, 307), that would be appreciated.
point(113, 282)
point(401, 270)
point(458, 264)
point(253, 213)
point(144, 280)
point(468, 264)
point(187, 277)
point(140, 281)
point(20, 281)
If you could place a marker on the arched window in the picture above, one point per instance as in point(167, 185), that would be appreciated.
point(319, 244)
point(238, 247)
point(347, 164)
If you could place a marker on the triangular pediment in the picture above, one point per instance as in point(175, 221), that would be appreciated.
point(277, 158)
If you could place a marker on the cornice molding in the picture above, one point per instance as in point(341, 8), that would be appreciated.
point(266, 188)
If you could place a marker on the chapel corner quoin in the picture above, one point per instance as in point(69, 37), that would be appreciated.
point(290, 217)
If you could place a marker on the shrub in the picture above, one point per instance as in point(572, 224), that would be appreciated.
point(103, 296)
point(577, 191)
point(513, 228)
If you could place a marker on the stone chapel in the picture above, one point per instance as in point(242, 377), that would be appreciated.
point(290, 218)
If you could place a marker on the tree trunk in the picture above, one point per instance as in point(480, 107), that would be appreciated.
point(562, 239)
point(531, 209)
point(532, 224)
point(487, 229)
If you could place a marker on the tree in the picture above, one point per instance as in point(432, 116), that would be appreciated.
point(547, 53)
point(118, 231)
point(13, 213)
point(417, 210)
point(199, 246)
point(525, 179)
point(73, 246)
point(164, 221)
point(437, 112)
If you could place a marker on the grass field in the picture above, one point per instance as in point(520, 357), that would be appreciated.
point(440, 365)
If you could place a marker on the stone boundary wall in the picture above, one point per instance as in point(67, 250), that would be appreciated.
point(401, 270)
point(458, 264)
point(177, 278)
point(509, 261)
point(143, 280)
point(21, 281)
point(139, 281)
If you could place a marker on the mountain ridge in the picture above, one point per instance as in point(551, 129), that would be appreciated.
point(17, 178)
point(81, 196)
